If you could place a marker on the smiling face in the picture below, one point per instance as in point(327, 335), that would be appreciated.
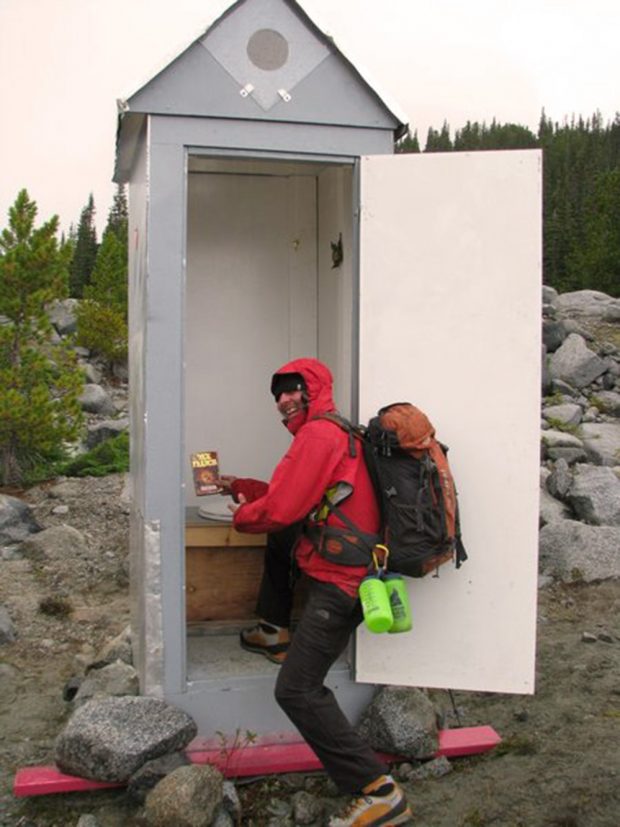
point(290, 404)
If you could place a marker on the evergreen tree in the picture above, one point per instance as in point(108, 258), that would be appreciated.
point(409, 143)
point(597, 260)
point(85, 252)
point(439, 141)
point(39, 381)
point(102, 315)
point(118, 215)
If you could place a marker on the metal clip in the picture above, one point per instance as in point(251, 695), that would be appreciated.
point(247, 89)
point(284, 95)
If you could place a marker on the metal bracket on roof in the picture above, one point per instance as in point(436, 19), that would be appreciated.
point(246, 90)
point(286, 97)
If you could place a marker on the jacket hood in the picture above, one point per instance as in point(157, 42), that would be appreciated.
point(319, 382)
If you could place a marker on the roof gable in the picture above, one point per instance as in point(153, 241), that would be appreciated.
point(265, 60)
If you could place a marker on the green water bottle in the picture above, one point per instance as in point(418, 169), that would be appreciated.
point(396, 589)
point(375, 604)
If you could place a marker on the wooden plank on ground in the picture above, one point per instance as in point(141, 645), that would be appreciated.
point(248, 761)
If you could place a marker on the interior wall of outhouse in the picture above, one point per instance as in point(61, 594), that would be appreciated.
point(264, 286)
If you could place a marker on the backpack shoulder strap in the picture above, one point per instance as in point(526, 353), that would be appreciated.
point(341, 421)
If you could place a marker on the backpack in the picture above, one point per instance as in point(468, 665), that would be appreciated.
point(415, 491)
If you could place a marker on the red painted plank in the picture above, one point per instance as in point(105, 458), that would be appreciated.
point(285, 756)
point(267, 759)
point(467, 741)
point(48, 779)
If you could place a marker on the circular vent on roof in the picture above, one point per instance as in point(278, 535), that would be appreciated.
point(268, 49)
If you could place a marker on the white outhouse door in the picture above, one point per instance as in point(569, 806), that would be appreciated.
point(450, 292)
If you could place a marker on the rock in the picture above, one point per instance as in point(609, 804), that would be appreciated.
point(71, 687)
point(608, 402)
point(595, 495)
point(546, 380)
point(231, 802)
point(553, 334)
point(601, 441)
point(88, 820)
point(62, 314)
point(105, 430)
point(150, 774)
point(7, 630)
point(401, 720)
point(575, 363)
point(436, 768)
point(65, 489)
point(587, 303)
point(109, 739)
point(94, 399)
point(551, 510)
point(16, 520)
point(555, 439)
point(549, 294)
point(568, 391)
point(560, 445)
point(606, 637)
point(567, 414)
point(573, 551)
point(119, 648)
point(55, 543)
point(307, 809)
point(223, 818)
point(188, 797)
point(587, 637)
point(115, 679)
point(560, 479)
point(92, 375)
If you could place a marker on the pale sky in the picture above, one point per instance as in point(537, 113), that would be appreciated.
point(64, 63)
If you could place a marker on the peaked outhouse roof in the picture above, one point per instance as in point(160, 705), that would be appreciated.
point(261, 60)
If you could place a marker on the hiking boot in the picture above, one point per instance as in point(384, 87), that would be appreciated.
point(266, 639)
point(382, 804)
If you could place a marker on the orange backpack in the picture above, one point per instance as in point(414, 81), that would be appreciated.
point(415, 491)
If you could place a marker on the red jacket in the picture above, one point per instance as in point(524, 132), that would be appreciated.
point(317, 459)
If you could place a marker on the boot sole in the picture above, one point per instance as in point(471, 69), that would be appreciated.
point(277, 658)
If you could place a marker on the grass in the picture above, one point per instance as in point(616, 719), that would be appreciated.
point(109, 457)
point(516, 745)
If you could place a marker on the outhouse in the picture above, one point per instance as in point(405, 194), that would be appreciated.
point(271, 218)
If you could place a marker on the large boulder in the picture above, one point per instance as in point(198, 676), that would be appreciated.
point(575, 363)
point(560, 445)
point(573, 551)
point(109, 739)
point(402, 721)
point(601, 441)
point(63, 315)
point(95, 399)
point(16, 520)
point(595, 495)
point(187, 797)
point(587, 304)
point(567, 413)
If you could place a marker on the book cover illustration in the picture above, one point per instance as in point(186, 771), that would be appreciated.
point(205, 471)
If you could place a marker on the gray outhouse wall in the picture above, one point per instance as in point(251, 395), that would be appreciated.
point(262, 83)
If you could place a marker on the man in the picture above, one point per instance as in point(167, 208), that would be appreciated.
point(293, 510)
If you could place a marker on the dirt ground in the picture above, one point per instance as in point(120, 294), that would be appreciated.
point(558, 764)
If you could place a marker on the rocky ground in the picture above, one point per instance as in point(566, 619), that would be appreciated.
point(558, 764)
